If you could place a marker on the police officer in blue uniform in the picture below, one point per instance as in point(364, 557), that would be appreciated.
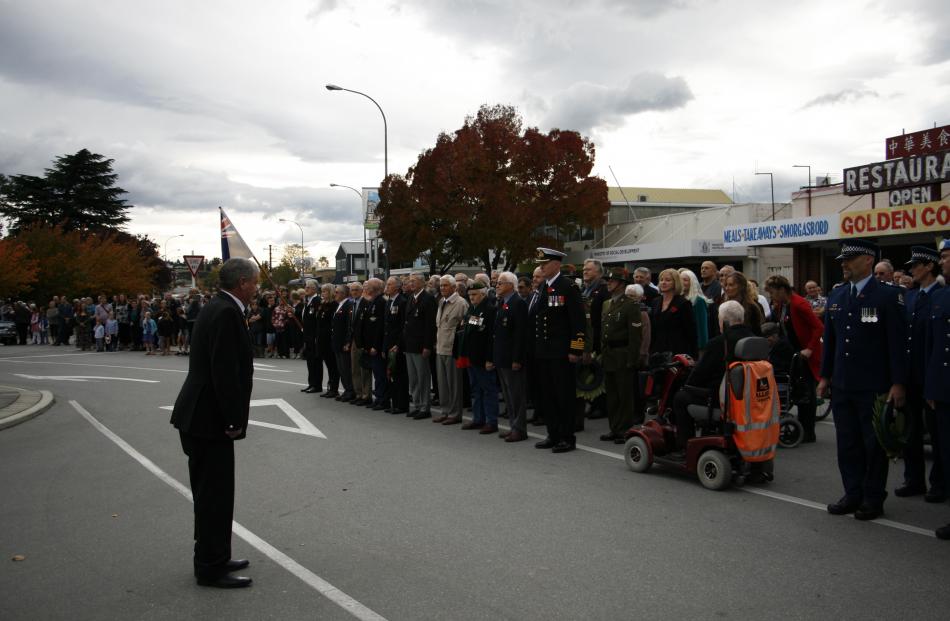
point(559, 328)
point(865, 355)
point(923, 268)
point(937, 365)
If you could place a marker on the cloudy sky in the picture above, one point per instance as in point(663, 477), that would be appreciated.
point(219, 102)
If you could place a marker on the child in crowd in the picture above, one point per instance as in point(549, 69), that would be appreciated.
point(112, 332)
point(148, 334)
point(100, 334)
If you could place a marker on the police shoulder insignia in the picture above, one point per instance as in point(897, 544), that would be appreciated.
point(900, 298)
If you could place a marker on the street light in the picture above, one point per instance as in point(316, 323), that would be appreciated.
point(334, 87)
point(165, 256)
point(809, 183)
point(365, 249)
point(772, 186)
point(301, 242)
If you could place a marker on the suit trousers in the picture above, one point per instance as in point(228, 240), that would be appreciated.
point(211, 471)
point(484, 396)
point(919, 418)
point(314, 366)
point(344, 366)
point(397, 392)
point(420, 380)
point(513, 388)
point(942, 424)
point(450, 385)
point(380, 382)
point(362, 378)
point(556, 397)
point(620, 391)
point(328, 358)
point(861, 460)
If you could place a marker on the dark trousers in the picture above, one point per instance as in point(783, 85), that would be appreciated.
point(211, 471)
point(379, 378)
point(345, 368)
point(513, 388)
point(808, 405)
point(621, 399)
point(861, 460)
point(685, 424)
point(942, 423)
point(21, 330)
point(921, 417)
point(314, 366)
point(397, 392)
point(328, 358)
point(555, 397)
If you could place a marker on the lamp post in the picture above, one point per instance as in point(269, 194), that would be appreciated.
point(365, 249)
point(772, 186)
point(301, 241)
point(334, 87)
point(165, 256)
point(809, 183)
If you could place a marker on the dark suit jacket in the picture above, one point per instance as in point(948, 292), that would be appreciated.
point(325, 326)
point(419, 330)
point(371, 326)
point(395, 322)
point(511, 332)
point(217, 390)
point(711, 368)
point(340, 325)
point(559, 325)
point(311, 322)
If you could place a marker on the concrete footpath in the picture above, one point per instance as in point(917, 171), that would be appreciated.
point(20, 404)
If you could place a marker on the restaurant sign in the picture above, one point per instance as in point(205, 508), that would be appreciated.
point(918, 143)
point(933, 216)
point(896, 174)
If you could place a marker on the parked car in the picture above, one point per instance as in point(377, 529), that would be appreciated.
point(7, 332)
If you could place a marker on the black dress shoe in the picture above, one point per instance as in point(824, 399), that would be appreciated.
point(379, 406)
point(411, 413)
point(395, 411)
point(422, 416)
point(943, 532)
point(562, 447)
point(358, 402)
point(869, 512)
point(935, 496)
point(545, 444)
point(307, 389)
point(225, 581)
point(905, 491)
point(843, 506)
point(236, 564)
point(607, 437)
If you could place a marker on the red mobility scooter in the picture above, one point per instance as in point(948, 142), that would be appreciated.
point(732, 437)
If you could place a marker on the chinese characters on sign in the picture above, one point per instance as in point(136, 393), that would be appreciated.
point(918, 143)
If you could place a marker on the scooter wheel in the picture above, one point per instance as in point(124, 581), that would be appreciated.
point(637, 454)
point(714, 470)
point(790, 432)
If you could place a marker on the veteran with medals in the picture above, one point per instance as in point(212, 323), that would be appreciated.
point(621, 335)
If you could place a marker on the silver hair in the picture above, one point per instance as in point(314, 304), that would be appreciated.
point(395, 281)
point(449, 279)
point(731, 313)
point(634, 291)
point(341, 289)
point(375, 284)
point(310, 282)
point(597, 264)
point(482, 276)
point(234, 270)
point(509, 277)
point(643, 270)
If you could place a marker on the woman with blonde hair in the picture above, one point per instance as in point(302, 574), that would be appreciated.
point(693, 292)
point(673, 328)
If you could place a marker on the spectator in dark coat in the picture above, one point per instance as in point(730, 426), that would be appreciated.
point(672, 323)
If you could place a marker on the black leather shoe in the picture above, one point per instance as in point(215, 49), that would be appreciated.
point(396, 411)
point(236, 564)
point(411, 413)
point(562, 447)
point(310, 389)
point(943, 532)
point(545, 444)
point(379, 406)
point(905, 491)
point(422, 416)
point(843, 506)
point(935, 496)
point(226, 581)
point(868, 512)
point(608, 437)
point(307, 389)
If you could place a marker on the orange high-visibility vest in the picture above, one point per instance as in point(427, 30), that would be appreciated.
point(753, 407)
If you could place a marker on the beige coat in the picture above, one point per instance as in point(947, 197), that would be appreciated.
point(447, 320)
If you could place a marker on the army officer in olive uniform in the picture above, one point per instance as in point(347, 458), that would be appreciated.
point(558, 345)
point(621, 335)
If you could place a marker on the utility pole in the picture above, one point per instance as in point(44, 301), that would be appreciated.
point(270, 257)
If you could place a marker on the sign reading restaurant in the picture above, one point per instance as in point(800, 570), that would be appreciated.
point(895, 174)
point(793, 230)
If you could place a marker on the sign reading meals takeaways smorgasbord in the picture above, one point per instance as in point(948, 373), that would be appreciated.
point(775, 232)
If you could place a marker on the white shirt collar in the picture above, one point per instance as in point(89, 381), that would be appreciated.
point(239, 302)
point(551, 280)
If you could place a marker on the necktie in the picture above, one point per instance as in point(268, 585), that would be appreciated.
point(854, 292)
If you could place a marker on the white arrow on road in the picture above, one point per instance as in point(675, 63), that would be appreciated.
point(304, 426)
point(83, 378)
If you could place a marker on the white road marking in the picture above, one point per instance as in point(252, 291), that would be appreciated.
point(320, 585)
point(304, 426)
point(105, 366)
point(83, 378)
point(88, 353)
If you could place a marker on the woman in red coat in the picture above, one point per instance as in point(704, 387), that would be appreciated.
point(803, 330)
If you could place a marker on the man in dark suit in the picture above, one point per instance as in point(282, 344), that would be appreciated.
point(211, 412)
point(310, 328)
point(511, 325)
point(558, 345)
point(369, 338)
point(397, 390)
point(419, 345)
point(340, 339)
point(865, 355)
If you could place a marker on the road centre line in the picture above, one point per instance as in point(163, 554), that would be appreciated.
point(320, 585)
point(88, 353)
point(119, 366)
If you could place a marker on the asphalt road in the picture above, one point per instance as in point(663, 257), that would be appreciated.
point(408, 520)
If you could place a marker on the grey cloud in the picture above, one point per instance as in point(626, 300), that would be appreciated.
point(585, 106)
point(844, 96)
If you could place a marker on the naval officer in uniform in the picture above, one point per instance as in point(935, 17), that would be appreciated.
point(864, 356)
point(559, 328)
point(937, 365)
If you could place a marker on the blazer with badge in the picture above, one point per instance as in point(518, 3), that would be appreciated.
point(865, 338)
point(594, 299)
point(560, 324)
point(918, 316)
point(340, 335)
point(937, 346)
point(372, 327)
point(419, 329)
point(311, 321)
point(622, 333)
point(511, 329)
point(216, 394)
point(325, 313)
point(395, 322)
point(478, 333)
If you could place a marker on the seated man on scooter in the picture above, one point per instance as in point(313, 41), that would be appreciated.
point(704, 380)
point(780, 350)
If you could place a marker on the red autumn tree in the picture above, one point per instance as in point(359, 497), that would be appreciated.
point(19, 268)
point(488, 193)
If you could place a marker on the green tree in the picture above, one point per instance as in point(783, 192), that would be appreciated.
point(283, 272)
point(78, 193)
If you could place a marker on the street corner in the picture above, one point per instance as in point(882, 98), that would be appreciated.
point(20, 404)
